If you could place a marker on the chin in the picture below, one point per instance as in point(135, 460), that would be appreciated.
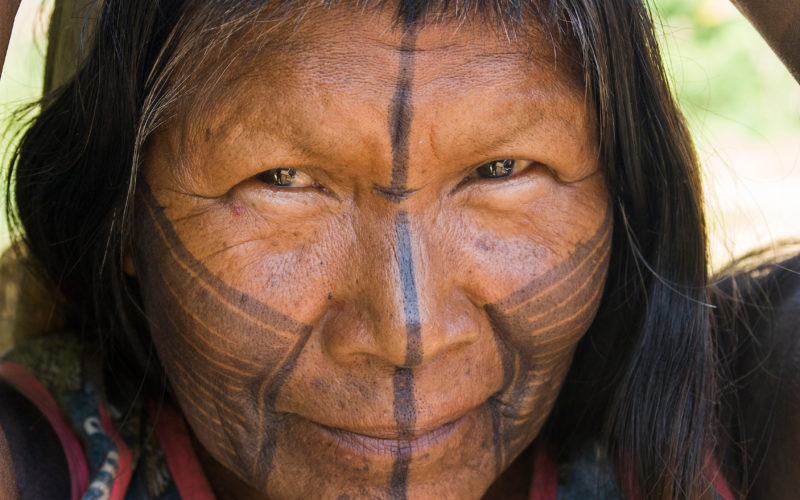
point(457, 459)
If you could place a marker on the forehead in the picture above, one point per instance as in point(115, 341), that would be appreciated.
point(314, 78)
point(359, 52)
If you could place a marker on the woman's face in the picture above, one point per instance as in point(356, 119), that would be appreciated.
point(367, 262)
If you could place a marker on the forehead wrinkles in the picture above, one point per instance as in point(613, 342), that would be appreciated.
point(261, 49)
point(211, 37)
point(206, 42)
point(308, 49)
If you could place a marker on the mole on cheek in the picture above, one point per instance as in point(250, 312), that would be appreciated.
point(481, 244)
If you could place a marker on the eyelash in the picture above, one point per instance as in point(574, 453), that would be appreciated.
point(286, 178)
point(496, 169)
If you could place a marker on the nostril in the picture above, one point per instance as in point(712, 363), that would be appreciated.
point(346, 335)
point(400, 304)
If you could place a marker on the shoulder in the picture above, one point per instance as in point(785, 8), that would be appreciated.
point(33, 376)
point(758, 319)
point(32, 461)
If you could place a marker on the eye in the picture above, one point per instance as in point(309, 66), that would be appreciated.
point(286, 178)
point(496, 169)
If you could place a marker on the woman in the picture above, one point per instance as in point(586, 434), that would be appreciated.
point(415, 250)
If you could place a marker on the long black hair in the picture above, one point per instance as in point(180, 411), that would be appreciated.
point(643, 379)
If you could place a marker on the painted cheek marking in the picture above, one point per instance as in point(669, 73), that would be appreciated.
point(200, 319)
point(536, 328)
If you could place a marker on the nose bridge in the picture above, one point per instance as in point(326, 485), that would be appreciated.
point(407, 311)
point(409, 295)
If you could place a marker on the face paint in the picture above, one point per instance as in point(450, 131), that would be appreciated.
point(222, 393)
point(400, 114)
point(537, 328)
point(359, 341)
point(405, 416)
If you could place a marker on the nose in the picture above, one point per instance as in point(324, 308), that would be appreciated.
point(406, 306)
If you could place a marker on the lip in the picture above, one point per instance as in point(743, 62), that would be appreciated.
point(393, 442)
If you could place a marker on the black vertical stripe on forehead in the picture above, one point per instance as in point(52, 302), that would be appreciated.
point(408, 287)
point(399, 120)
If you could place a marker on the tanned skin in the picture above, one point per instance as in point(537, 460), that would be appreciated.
point(778, 21)
point(390, 324)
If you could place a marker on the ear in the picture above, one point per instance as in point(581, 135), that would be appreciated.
point(128, 266)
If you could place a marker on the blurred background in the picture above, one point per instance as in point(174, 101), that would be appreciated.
point(743, 108)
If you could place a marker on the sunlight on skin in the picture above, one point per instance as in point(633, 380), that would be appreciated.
point(399, 322)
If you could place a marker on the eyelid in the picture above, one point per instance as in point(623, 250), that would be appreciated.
point(314, 187)
point(286, 178)
point(470, 175)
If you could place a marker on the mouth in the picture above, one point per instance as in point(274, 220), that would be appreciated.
point(394, 442)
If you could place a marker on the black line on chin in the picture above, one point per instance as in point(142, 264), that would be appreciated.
point(397, 489)
point(405, 415)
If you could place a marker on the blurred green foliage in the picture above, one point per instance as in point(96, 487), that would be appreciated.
point(727, 79)
point(22, 81)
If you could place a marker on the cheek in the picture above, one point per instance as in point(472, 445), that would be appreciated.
point(544, 319)
point(530, 279)
point(226, 354)
point(540, 308)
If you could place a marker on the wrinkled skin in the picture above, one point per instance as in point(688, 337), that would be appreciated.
point(392, 323)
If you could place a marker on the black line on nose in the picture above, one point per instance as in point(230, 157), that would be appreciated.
point(405, 412)
point(408, 286)
point(400, 114)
